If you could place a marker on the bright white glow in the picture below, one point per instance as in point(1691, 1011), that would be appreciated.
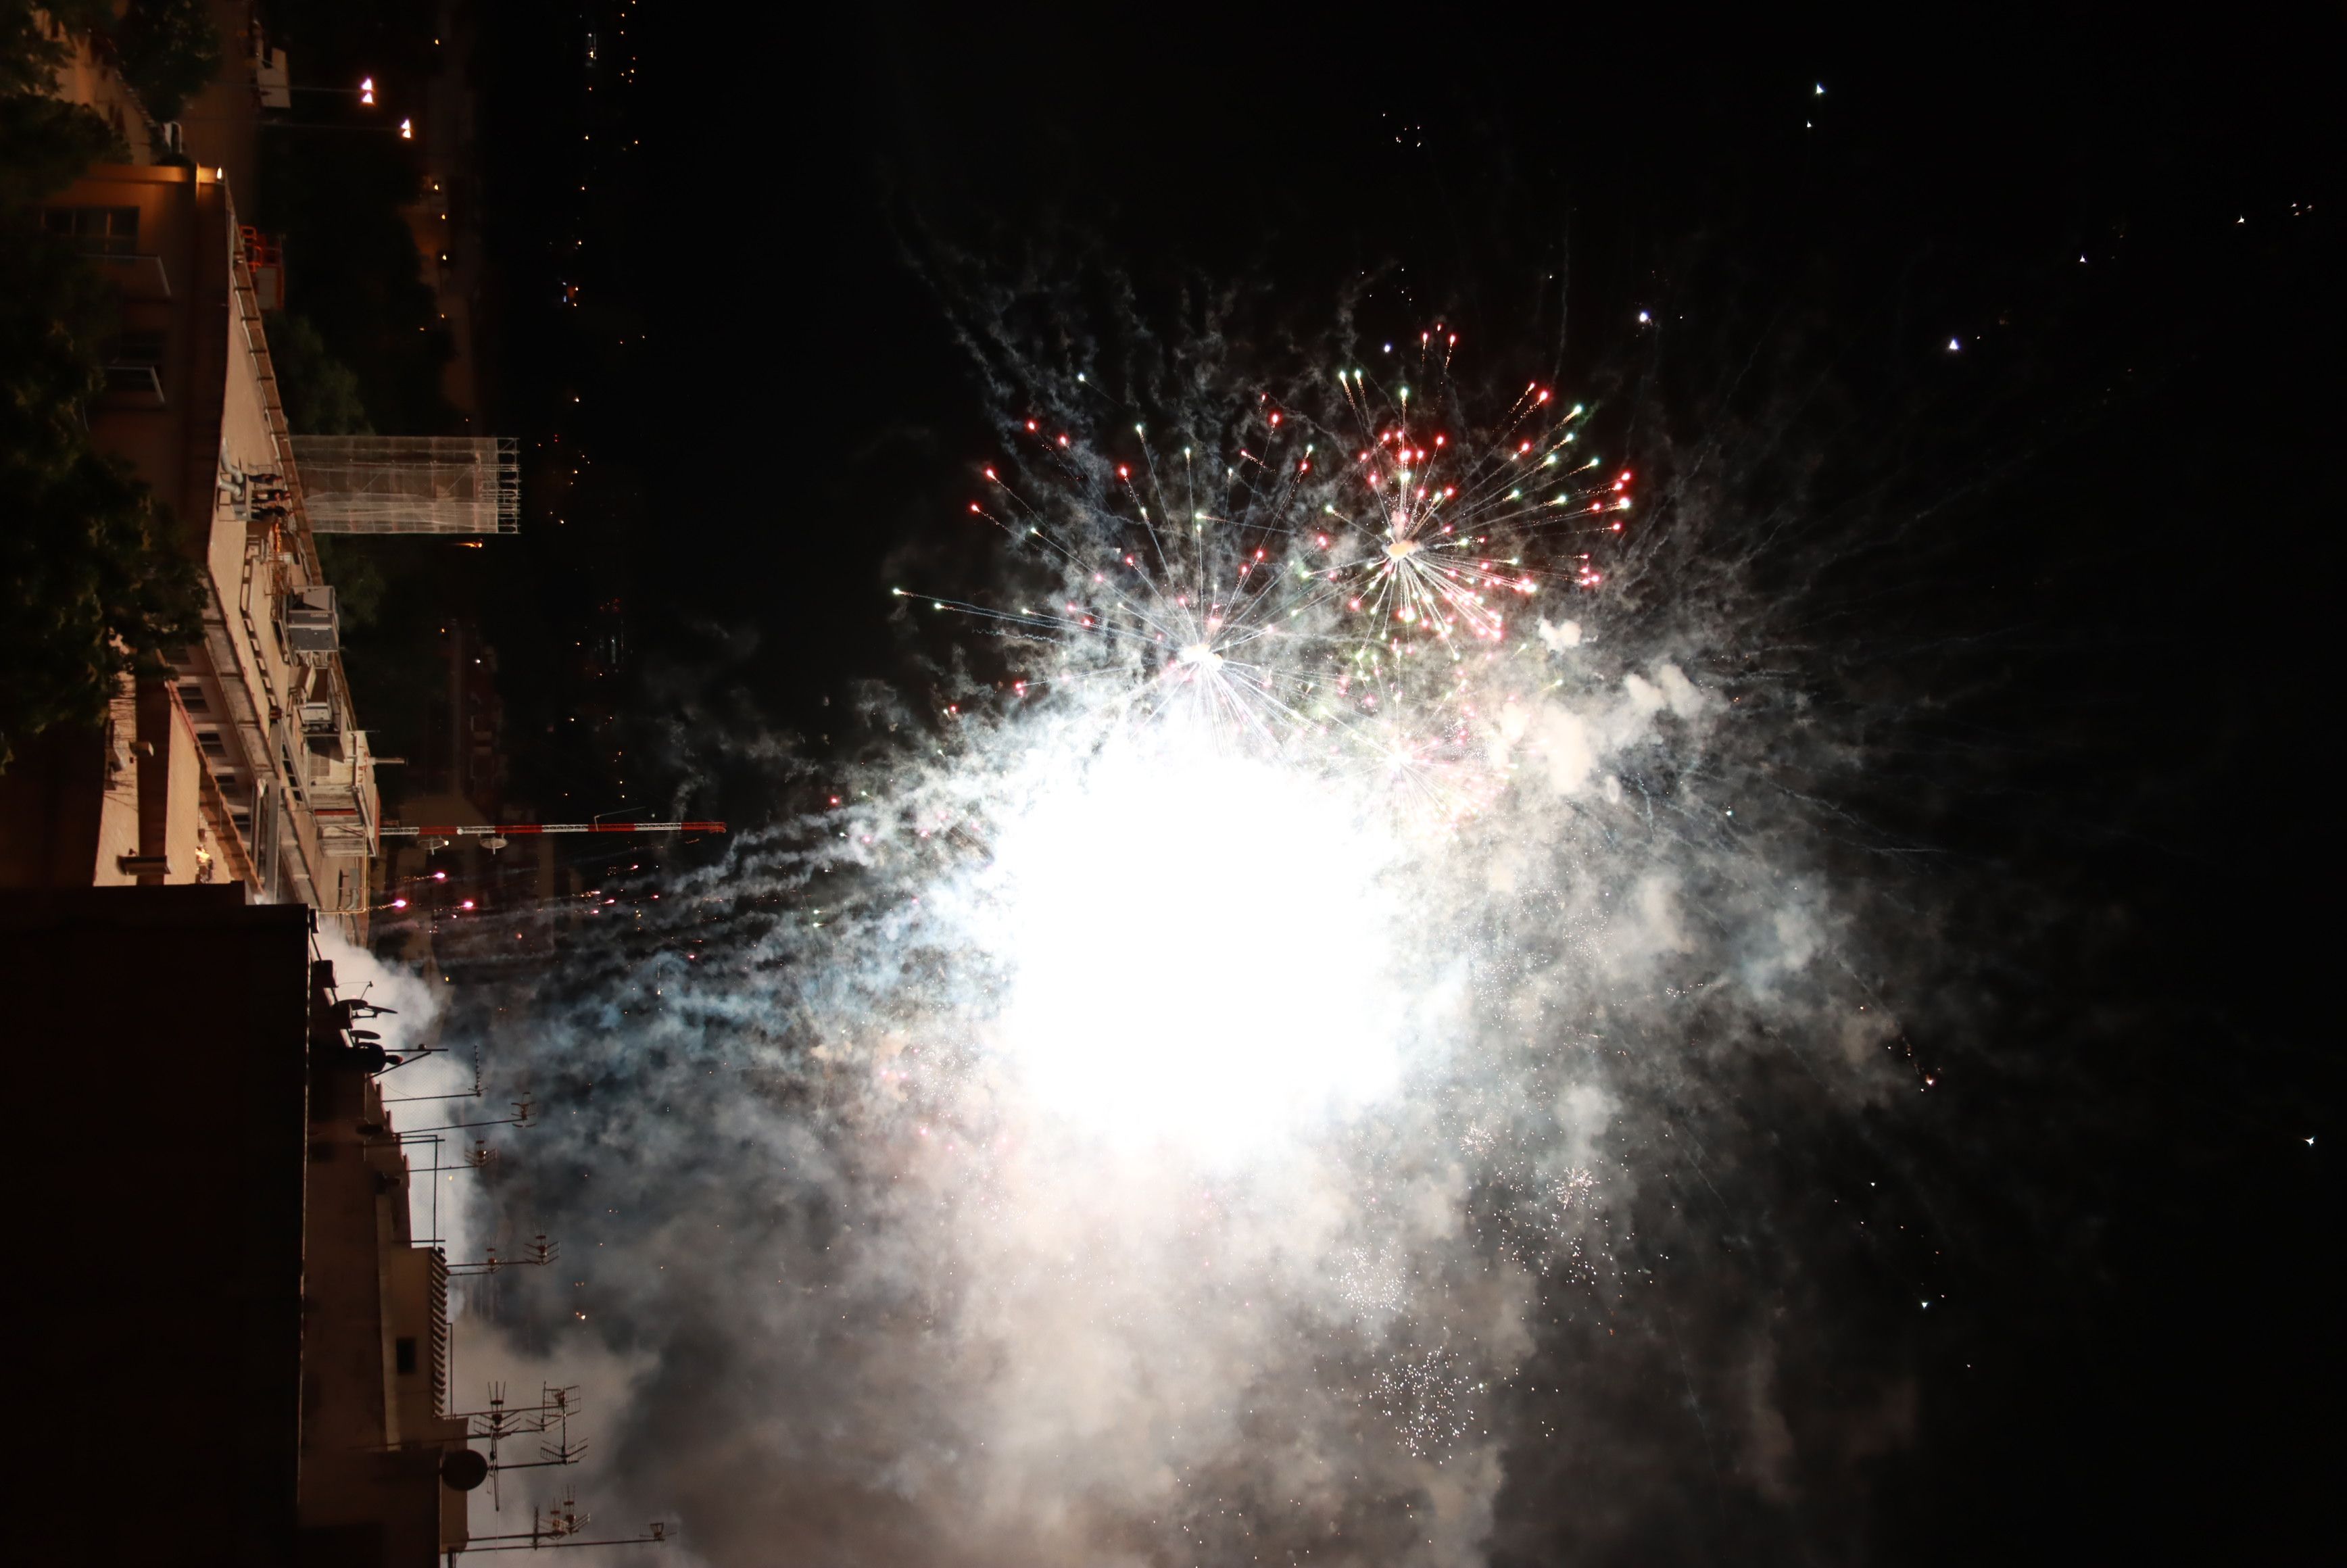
point(1199, 946)
point(1199, 656)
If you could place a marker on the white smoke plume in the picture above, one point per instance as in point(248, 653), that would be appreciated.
point(1076, 1140)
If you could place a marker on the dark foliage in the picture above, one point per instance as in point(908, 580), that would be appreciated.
point(91, 586)
point(44, 143)
point(321, 391)
point(167, 50)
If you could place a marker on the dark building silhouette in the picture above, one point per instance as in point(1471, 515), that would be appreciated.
point(235, 1353)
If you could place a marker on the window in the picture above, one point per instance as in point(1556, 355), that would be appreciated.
point(95, 231)
point(136, 348)
point(402, 1351)
point(134, 367)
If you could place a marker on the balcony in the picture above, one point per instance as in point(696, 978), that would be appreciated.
point(340, 794)
point(109, 238)
point(138, 277)
point(134, 384)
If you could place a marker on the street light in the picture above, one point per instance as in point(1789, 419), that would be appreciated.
point(366, 91)
point(407, 130)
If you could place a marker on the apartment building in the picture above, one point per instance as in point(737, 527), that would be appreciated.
point(248, 764)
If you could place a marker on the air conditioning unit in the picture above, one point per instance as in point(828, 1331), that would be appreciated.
point(322, 729)
point(313, 625)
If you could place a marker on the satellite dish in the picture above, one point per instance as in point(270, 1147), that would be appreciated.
point(462, 1470)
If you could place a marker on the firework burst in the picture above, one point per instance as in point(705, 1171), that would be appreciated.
point(1338, 577)
point(1217, 1037)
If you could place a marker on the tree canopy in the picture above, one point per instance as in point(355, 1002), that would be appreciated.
point(167, 50)
point(92, 584)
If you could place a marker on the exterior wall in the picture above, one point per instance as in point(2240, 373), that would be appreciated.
point(184, 839)
point(160, 282)
point(168, 1321)
point(374, 1436)
point(220, 127)
point(188, 841)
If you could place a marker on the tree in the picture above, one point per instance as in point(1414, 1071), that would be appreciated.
point(320, 392)
point(84, 568)
point(92, 587)
point(321, 398)
point(168, 51)
point(44, 144)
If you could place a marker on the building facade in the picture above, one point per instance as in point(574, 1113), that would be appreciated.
point(247, 764)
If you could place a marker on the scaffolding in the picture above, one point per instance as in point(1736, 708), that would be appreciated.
point(410, 484)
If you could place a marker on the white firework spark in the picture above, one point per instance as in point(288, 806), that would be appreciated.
point(1335, 585)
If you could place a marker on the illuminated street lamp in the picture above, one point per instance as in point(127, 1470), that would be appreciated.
point(407, 130)
point(366, 91)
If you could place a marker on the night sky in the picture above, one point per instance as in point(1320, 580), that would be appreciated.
point(2009, 349)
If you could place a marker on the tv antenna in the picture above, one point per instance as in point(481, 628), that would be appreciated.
point(559, 1524)
point(525, 1114)
point(549, 1418)
point(538, 1254)
point(482, 1157)
point(475, 1093)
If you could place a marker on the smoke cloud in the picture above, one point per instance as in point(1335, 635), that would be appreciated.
point(1072, 1142)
